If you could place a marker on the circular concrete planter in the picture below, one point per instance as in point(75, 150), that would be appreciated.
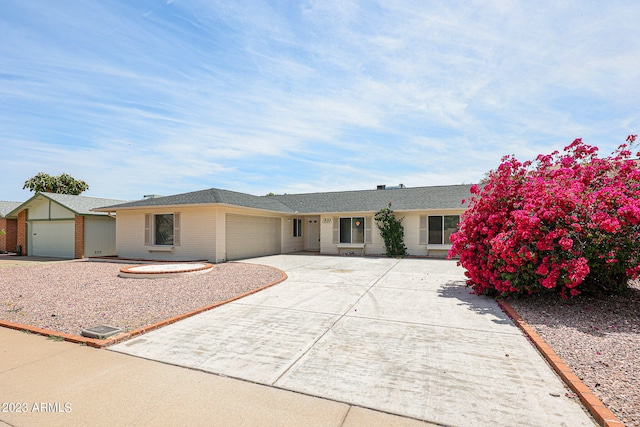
point(156, 271)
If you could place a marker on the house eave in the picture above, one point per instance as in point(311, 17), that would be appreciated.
point(189, 205)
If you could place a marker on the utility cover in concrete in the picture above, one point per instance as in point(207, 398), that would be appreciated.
point(100, 332)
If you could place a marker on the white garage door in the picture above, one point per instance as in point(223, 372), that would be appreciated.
point(251, 236)
point(53, 238)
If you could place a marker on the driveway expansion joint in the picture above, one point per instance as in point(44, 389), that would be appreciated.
point(330, 328)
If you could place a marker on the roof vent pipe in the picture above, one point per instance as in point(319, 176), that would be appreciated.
point(381, 187)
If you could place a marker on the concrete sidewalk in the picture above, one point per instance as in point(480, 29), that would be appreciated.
point(398, 336)
point(63, 384)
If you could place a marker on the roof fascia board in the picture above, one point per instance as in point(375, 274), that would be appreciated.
point(14, 213)
point(133, 208)
point(190, 205)
point(95, 214)
point(436, 210)
point(452, 210)
point(228, 205)
point(20, 208)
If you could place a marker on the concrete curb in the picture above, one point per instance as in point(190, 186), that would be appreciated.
point(92, 342)
point(601, 413)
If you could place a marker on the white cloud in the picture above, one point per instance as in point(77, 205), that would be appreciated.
point(321, 95)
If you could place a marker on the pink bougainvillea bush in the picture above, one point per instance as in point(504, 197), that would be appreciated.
point(567, 223)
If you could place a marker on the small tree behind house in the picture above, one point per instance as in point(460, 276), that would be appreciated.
point(61, 184)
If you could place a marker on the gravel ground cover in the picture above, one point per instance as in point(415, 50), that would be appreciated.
point(69, 296)
point(599, 339)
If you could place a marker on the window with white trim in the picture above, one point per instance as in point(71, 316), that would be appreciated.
point(440, 228)
point(352, 230)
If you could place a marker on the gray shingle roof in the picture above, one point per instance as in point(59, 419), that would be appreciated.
point(402, 199)
point(6, 207)
point(80, 205)
point(210, 196)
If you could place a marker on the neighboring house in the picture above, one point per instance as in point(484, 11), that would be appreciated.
point(62, 225)
point(220, 225)
point(8, 240)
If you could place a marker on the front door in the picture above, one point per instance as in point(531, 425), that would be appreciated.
point(313, 234)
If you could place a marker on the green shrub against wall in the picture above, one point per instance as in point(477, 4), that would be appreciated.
point(392, 232)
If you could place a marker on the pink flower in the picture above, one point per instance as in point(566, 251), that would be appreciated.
point(566, 243)
point(542, 270)
point(549, 224)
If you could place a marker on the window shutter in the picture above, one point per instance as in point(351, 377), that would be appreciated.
point(176, 229)
point(423, 229)
point(147, 229)
point(336, 230)
point(367, 230)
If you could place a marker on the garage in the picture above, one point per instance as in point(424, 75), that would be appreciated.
point(250, 236)
point(52, 238)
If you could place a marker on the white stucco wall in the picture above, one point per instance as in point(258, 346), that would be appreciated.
point(327, 244)
point(219, 235)
point(289, 242)
point(410, 221)
point(202, 233)
point(412, 233)
point(197, 234)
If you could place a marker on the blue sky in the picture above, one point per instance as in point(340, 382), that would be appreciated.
point(164, 97)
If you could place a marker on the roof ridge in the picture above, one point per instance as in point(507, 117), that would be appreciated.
point(370, 190)
point(77, 195)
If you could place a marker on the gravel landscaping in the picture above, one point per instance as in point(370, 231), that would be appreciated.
point(599, 339)
point(69, 296)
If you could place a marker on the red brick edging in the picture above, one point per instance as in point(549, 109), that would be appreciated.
point(601, 413)
point(92, 342)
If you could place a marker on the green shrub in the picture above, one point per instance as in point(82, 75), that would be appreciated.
point(392, 232)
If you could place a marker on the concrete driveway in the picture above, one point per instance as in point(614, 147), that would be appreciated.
point(400, 336)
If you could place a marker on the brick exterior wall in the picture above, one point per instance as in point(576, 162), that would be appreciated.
point(3, 237)
point(22, 231)
point(79, 237)
point(9, 240)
